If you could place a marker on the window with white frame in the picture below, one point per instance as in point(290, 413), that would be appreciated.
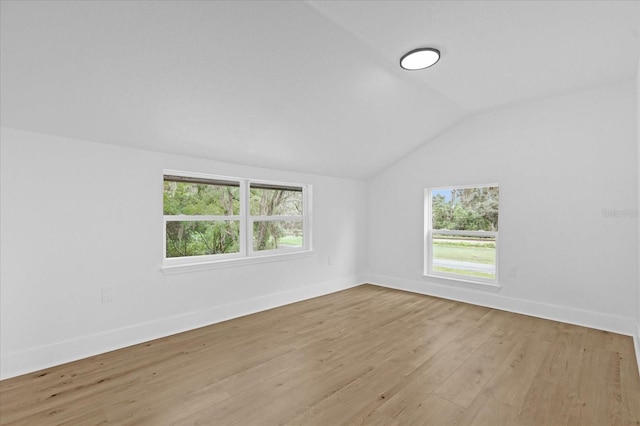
point(212, 218)
point(277, 216)
point(461, 232)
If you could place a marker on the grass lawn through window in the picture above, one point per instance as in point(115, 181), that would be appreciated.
point(476, 258)
point(290, 241)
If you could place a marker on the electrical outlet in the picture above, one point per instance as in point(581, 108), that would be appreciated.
point(107, 294)
point(329, 260)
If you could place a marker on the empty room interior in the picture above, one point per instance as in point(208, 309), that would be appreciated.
point(320, 212)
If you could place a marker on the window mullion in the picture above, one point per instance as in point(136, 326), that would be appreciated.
point(306, 213)
point(463, 233)
point(245, 232)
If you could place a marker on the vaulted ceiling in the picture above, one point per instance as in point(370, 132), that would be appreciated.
point(309, 86)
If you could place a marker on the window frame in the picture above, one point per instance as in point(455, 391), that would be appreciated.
point(275, 218)
point(428, 241)
point(245, 254)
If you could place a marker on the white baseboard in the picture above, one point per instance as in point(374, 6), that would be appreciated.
point(38, 358)
point(607, 322)
point(636, 344)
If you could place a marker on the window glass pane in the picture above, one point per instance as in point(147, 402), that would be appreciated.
point(191, 198)
point(198, 238)
point(275, 202)
point(269, 235)
point(465, 209)
point(465, 255)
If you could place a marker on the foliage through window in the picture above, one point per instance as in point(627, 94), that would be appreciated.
point(461, 232)
point(277, 215)
point(207, 218)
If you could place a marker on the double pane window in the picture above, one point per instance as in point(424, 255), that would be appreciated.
point(208, 218)
point(277, 216)
point(461, 232)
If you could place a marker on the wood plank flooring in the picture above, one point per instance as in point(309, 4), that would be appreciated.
point(364, 356)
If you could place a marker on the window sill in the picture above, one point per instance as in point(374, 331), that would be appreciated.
point(478, 285)
point(232, 263)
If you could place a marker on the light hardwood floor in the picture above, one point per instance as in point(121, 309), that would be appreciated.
point(367, 355)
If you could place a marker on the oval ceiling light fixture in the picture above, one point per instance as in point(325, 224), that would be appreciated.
point(419, 59)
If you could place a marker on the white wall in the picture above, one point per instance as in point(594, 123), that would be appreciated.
point(559, 163)
point(78, 216)
point(637, 336)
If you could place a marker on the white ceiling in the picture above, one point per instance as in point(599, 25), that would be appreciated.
point(306, 86)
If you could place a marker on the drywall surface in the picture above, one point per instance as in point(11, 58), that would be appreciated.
point(79, 217)
point(565, 166)
point(637, 335)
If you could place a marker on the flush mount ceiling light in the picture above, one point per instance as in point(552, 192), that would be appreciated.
point(419, 59)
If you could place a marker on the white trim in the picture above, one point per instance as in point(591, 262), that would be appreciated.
point(173, 262)
point(33, 359)
point(234, 261)
point(455, 279)
point(636, 345)
point(245, 237)
point(607, 322)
